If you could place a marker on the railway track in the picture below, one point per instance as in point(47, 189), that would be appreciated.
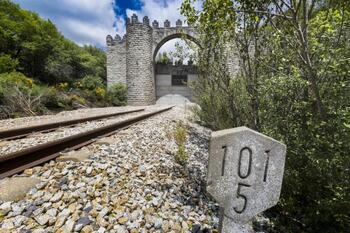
point(16, 162)
point(25, 131)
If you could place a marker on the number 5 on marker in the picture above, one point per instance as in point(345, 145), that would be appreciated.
point(241, 196)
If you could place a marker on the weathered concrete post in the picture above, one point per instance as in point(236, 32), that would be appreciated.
point(139, 70)
point(245, 175)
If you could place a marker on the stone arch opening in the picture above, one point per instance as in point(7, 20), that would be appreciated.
point(171, 37)
point(172, 80)
point(130, 59)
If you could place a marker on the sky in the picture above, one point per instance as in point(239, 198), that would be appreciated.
point(90, 21)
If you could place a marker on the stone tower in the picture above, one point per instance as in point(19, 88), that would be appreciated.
point(139, 70)
point(116, 59)
point(131, 60)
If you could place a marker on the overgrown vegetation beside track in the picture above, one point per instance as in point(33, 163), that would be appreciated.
point(41, 70)
point(293, 85)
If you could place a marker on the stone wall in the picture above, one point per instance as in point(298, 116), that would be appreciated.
point(130, 60)
point(175, 69)
point(163, 80)
point(116, 60)
point(163, 34)
point(139, 70)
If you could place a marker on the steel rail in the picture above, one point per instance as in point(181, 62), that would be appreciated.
point(16, 162)
point(25, 131)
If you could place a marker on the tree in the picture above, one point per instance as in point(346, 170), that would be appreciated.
point(163, 58)
point(293, 85)
point(33, 48)
point(180, 53)
point(183, 52)
point(41, 52)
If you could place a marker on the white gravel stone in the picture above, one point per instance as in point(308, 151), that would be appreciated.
point(42, 219)
point(62, 116)
point(158, 223)
point(57, 197)
point(5, 208)
point(38, 211)
point(39, 230)
point(89, 170)
point(18, 221)
point(40, 138)
point(7, 224)
point(52, 212)
point(131, 183)
point(69, 226)
point(101, 230)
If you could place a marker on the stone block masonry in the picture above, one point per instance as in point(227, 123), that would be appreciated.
point(116, 60)
point(131, 60)
point(139, 70)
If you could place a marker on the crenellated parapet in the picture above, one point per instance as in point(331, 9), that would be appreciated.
point(155, 24)
point(167, 24)
point(131, 59)
point(116, 40)
point(158, 32)
point(134, 19)
point(178, 23)
point(146, 20)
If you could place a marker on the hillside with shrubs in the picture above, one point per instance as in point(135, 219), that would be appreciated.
point(43, 72)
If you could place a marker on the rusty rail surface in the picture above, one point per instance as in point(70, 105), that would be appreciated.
point(24, 131)
point(16, 162)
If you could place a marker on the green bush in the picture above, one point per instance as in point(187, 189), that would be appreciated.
point(92, 88)
point(117, 94)
point(180, 136)
point(14, 79)
point(7, 64)
point(38, 50)
point(315, 188)
point(304, 103)
point(58, 99)
point(89, 83)
point(21, 95)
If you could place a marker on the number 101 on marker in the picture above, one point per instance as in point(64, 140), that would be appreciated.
point(245, 172)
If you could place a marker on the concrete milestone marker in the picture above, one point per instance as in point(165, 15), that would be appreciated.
point(245, 175)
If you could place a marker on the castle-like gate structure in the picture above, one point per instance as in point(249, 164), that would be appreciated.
point(131, 59)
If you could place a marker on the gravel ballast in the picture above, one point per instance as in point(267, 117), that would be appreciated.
point(7, 147)
point(132, 183)
point(62, 116)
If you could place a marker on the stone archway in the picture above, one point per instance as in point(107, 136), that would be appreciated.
point(131, 60)
point(165, 75)
point(161, 37)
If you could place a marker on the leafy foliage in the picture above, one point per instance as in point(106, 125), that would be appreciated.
point(180, 136)
point(41, 51)
point(294, 86)
point(21, 95)
point(61, 74)
point(7, 64)
point(89, 83)
point(183, 52)
point(163, 58)
point(117, 94)
point(180, 53)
